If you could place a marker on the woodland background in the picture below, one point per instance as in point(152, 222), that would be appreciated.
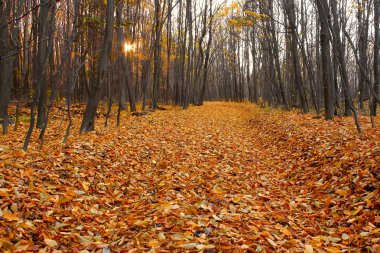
point(314, 55)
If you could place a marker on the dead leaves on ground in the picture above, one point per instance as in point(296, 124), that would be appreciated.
point(220, 178)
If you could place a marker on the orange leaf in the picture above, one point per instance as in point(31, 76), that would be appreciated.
point(286, 232)
point(342, 193)
point(10, 217)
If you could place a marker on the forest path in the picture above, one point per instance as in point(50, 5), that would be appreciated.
point(221, 177)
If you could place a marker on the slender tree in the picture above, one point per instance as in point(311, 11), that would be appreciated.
point(376, 51)
point(324, 17)
point(88, 123)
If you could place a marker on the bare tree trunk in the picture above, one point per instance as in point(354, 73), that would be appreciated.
point(156, 54)
point(189, 67)
point(6, 64)
point(276, 57)
point(40, 71)
point(376, 57)
point(254, 63)
point(43, 33)
point(207, 56)
point(339, 50)
point(290, 9)
point(128, 81)
point(119, 55)
point(323, 11)
point(169, 49)
point(88, 123)
point(72, 77)
point(362, 49)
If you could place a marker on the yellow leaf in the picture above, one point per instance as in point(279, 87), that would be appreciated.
point(333, 250)
point(82, 240)
point(188, 246)
point(166, 206)
point(308, 249)
point(236, 199)
point(86, 186)
point(18, 165)
point(177, 237)
point(51, 243)
point(216, 190)
point(161, 236)
point(272, 242)
point(141, 223)
point(371, 195)
point(354, 212)
point(345, 236)
point(153, 243)
point(357, 210)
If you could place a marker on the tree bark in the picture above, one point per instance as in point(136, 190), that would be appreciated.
point(339, 50)
point(376, 57)
point(88, 123)
point(323, 12)
point(207, 57)
point(156, 54)
point(290, 10)
point(42, 58)
point(6, 64)
point(276, 57)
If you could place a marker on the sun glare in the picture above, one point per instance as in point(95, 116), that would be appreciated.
point(129, 47)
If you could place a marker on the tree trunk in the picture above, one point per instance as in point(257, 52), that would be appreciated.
point(327, 80)
point(189, 65)
point(120, 56)
point(88, 123)
point(207, 58)
point(362, 48)
point(6, 64)
point(376, 58)
point(276, 57)
point(42, 57)
point(156, 54)
point(290, 9)
point(129, 85)
point(339, 50)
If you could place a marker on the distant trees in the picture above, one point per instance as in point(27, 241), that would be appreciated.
point(314, 63)
point(282, 53)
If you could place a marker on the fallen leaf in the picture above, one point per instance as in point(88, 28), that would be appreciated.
point(188, 246)
point(86, 186)
point(345, 236)
point(10, 217)
point(51, 243)
point(342, 193)
point(308, 248)
point(272, 242)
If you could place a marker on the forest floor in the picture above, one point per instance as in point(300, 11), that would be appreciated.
point(224, 177)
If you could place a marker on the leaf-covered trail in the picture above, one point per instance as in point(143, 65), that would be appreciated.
point(218, 178)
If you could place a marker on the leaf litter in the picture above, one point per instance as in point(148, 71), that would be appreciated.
point(224, 177)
